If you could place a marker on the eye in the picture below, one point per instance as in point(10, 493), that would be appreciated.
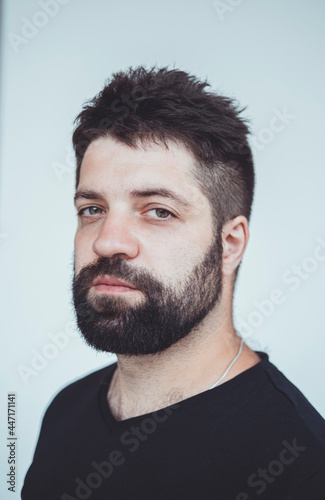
point(96, 211)
point(162, 213)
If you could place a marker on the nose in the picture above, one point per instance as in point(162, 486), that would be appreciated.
point(116, 237)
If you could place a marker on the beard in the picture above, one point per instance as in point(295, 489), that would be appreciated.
point(164, 315)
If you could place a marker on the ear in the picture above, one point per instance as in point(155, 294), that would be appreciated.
point(235, 236)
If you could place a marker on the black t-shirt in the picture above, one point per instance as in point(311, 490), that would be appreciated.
point(253, 437)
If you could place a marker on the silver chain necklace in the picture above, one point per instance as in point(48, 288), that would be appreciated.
point(233, 361)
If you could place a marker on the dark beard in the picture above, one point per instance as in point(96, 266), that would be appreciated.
point(111, 323)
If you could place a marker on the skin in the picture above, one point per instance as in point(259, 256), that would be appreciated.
point(129, 227)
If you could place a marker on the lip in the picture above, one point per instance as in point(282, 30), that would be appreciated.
point(111, 282)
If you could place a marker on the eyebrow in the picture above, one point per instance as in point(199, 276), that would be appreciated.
point(88, 194)
point(91, 194)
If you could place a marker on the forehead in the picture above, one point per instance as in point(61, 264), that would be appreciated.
point(112, 167)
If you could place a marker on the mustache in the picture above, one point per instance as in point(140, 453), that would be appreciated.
point(117, 268)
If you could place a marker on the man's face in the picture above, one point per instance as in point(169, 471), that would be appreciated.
point(143, 220)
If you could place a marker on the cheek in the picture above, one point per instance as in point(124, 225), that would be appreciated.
point(172, 265)
point(83, 251)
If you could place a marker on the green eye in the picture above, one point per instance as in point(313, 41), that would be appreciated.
point(82, 213)
point(162, 213)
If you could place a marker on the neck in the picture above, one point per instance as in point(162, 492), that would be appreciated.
point(143, 384)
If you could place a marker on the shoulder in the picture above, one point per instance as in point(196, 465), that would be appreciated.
point(80, 391)
point(284, 394)
point(291, 420)
point(275, 437)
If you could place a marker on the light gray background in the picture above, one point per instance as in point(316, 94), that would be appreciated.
point(269, 56)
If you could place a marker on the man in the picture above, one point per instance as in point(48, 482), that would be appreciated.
point(164, 189)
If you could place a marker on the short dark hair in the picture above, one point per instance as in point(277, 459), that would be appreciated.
point(160, 104)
